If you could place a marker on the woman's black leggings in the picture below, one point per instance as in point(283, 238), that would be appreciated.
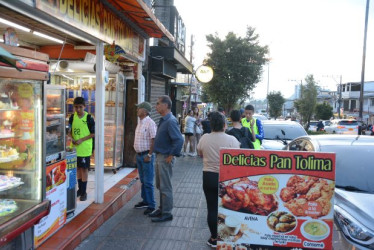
point(210, 186)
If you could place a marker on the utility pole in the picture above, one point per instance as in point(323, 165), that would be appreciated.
point(340, 96)
point(190, 80)
point(267, 91)
point(363, 61)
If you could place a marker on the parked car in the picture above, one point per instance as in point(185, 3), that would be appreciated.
point(326, 122)
point(342, 126)
point(354, 190)
point(277, 134)
point(313, 126)
point(260, 117)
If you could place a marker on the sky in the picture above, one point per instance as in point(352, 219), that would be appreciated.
point(320, 37)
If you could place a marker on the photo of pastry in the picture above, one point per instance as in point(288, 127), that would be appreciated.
point(281, 222)
point(301, 190)
point(244, 196)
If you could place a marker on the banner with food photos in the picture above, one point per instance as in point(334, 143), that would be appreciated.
point(275, 199)
point(56, 188)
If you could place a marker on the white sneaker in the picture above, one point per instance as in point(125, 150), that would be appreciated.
point(192, 154)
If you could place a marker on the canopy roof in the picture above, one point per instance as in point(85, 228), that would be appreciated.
point(143, 16)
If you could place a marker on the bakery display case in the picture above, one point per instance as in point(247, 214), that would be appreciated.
point(54, 120)
point(79, 84)
point(22, 190)
point(114, 122)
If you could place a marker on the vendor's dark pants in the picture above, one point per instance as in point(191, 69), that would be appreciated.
point(210, 186)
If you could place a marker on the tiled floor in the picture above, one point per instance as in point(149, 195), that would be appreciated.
point(110, 179)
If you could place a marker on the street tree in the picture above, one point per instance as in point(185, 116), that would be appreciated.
point(237, 63)
point(276, 101)
point(323, 111)
point(306, 105)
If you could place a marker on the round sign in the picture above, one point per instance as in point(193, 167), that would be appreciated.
point(204, 74)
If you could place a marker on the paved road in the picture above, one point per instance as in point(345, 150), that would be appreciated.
point(130, 229)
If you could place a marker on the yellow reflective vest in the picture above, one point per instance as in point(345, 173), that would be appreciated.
point(245, 123)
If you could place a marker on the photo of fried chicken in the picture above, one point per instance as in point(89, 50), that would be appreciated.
point(301, 190)
point(243, 195)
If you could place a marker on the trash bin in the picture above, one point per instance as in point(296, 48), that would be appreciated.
point(71, 162)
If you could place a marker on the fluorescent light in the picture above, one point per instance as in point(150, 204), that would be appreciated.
point(1, 40)
point(48, 37)
point(67, 77)
point(14, 25)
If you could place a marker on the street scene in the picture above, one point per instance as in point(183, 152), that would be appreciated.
point(172, 124)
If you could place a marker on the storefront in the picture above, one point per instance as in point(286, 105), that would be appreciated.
point(74, 35)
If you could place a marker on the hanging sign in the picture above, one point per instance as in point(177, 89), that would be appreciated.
point(204, 74)
point(275, 199)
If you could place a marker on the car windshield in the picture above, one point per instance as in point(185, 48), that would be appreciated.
point(353, 174)
point(313, 123)
point(274, 132)
point(348, 123)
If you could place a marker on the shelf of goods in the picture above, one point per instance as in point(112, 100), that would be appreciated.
point(77, 85)
point(54, 130)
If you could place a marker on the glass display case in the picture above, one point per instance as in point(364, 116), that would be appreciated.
point(79, 84)
point(114, 122)
point(21, 171)
point(54, 133)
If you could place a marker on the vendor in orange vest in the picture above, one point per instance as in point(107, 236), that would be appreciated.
point(252, 123)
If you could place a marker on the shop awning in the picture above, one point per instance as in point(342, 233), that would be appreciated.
point(173, 55)
point(143, 16)
point(9, 59)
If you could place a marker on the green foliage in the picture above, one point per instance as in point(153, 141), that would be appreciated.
point(276, 101)
point(237, 63)
point(323, 111)
point(306, 105)
point(316, 132)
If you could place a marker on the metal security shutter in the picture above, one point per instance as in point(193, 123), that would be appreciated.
point(157, 90)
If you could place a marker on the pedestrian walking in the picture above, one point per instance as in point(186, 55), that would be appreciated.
point(208, 148)
point(245, 136)
point(168, 144)
point(197, 128)
point(206, 124)
point(253, 124)
point(82, 132)
point(189, 125)
point(145, 133)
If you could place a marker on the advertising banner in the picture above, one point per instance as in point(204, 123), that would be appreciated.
point(56, 193)
point(275, 199)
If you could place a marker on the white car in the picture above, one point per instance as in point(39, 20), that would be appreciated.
point(342, 126)
point(313, 126)
point(277, 134)
point(260, 117)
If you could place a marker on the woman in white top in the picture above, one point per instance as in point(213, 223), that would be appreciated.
point(189, 124)
point(208, 148)
point(198, 129)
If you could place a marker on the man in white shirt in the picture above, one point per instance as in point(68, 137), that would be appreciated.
point(143, 144)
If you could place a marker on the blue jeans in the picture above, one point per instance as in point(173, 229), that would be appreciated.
point(146, 174)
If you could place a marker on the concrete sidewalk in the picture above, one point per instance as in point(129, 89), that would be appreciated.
point(130, 229)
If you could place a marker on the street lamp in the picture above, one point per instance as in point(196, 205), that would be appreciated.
point(363, 60)
point(300, 92)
